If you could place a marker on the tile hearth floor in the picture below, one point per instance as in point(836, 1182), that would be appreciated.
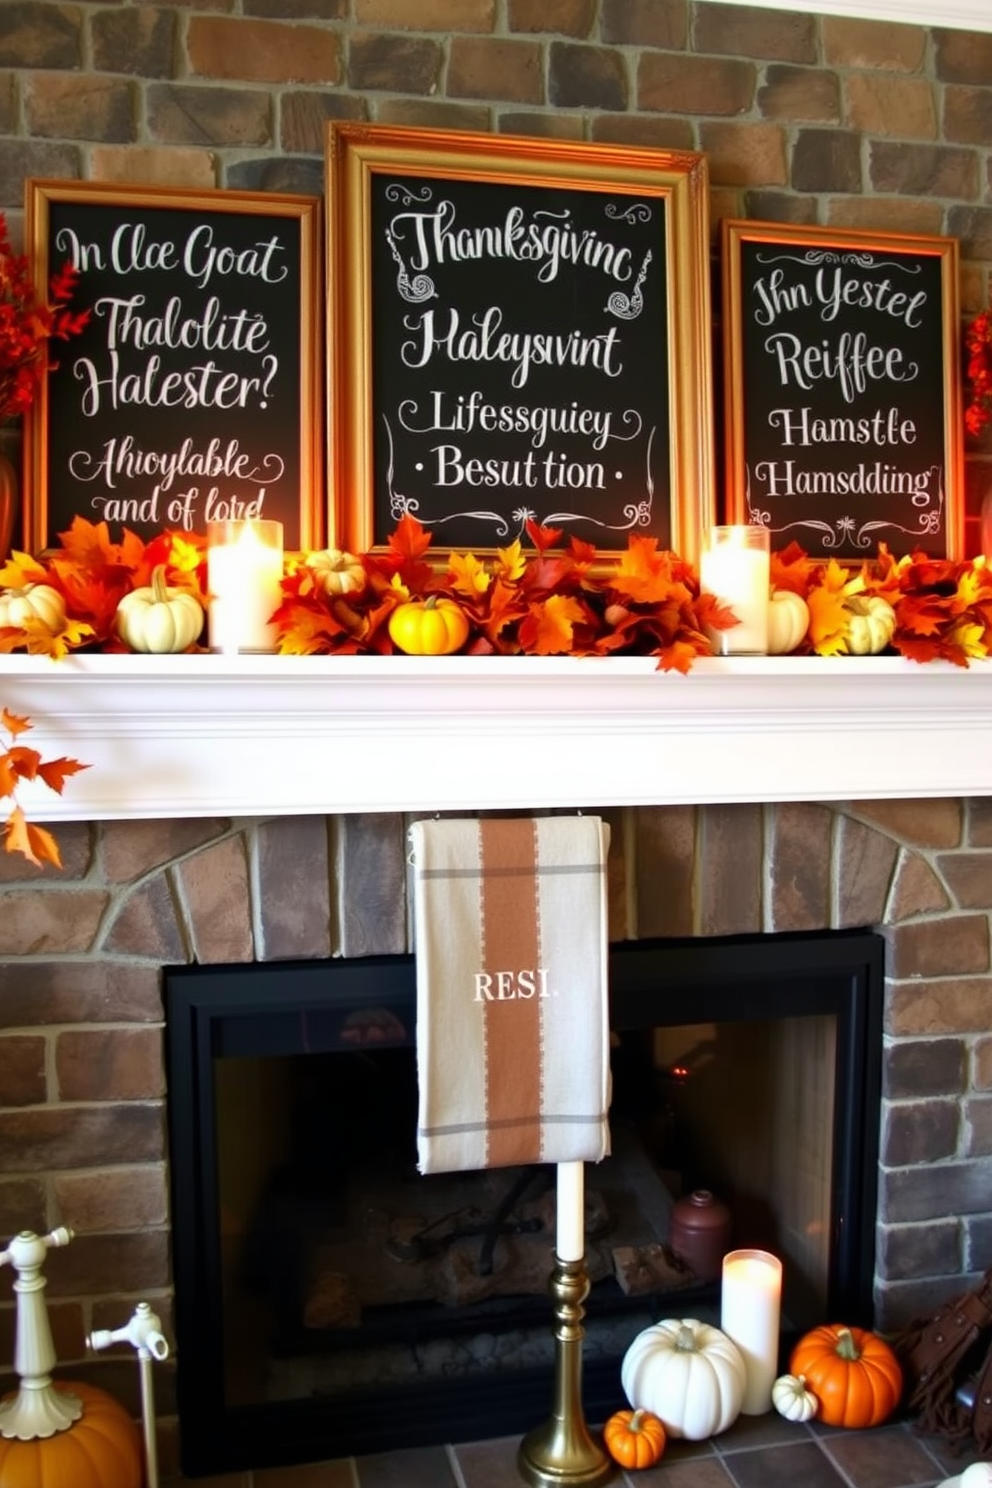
point(757, 1452)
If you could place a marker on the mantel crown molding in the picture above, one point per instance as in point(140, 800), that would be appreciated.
point(967, 15)
point(273, 735)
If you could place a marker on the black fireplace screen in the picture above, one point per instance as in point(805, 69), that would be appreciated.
point(332, 1301)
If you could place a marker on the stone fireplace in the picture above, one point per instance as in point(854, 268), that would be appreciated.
point(734, 805)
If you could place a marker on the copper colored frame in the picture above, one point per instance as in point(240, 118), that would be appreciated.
point(946, 250)
point(356, 153)
point(39, 194)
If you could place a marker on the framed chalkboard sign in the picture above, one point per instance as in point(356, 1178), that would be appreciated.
point(843, 418)
point(194, 391)
point(521, 331)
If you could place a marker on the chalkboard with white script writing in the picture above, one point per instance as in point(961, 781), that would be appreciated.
point(520, 333)
point(193, 393)
point(843, 420)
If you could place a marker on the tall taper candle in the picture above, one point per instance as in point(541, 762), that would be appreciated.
point(750, 1307)
point(570, 1240)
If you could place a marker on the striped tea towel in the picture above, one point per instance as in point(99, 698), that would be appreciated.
point(512, 1008)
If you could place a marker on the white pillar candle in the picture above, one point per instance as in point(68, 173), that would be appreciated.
point(734, 565)
point(750, 1307)
point(244, 570)
point(570, 1241)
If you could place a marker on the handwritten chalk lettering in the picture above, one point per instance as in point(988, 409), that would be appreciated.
point(555, 472)
point(785, 478)
point(83, 256)
point(133, 252)
point(211, 328)
point(128, 509)
point(512, 986)
point(218, 508)
point(122, 458)
point(464, 413)
point(524, 349)
point(801, 426)
point(202, 386)
point(834, 291)
point(549, 240)
point(203, 258)
point(851, 362)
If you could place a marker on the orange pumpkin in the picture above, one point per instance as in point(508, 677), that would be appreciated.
point(853, 1373)
point(103, 1449)
point(634, 1438)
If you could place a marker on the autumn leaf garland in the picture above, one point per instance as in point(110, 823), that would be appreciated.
point(550, 599)
point(551, 602)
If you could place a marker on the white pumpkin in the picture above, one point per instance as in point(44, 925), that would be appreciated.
point(978, 1475)
point(158, 619)
point(872, 621)
point(33, 602)
point(336, 571)
point(788, 618)
point(687, 1373)
point(792, 1399)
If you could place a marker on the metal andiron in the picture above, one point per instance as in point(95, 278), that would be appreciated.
point(561, 1451)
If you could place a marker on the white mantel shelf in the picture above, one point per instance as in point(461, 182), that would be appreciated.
point(273, 735)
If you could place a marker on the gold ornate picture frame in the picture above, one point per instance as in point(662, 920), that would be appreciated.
point(195, 390)
point(519, 329)
point(843, 423)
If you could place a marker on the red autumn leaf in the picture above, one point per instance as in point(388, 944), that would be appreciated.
point(55, 772)
point(792, 569)
point(923, 616)
point(928, 648)
point(22, 762)
point(543, 538)
point(409, 539)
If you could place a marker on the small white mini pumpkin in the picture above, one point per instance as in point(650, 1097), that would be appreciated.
point(33, 602)
point(792, 1399)
point(336, 571)
point(688, 1374)
point(158, 619)
point(872, 621)
point(788, 618)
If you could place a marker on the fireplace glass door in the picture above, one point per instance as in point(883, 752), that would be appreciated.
point(331, 1301)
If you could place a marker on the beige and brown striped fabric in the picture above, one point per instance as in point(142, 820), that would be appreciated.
point(512, 1010)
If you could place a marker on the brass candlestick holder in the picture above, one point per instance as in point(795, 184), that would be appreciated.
point(561, 1451)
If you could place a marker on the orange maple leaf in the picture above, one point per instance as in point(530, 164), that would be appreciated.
point(643, 574)
point(547, 629)
point(34, 843)
point(678, 657)
point(13, 722)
